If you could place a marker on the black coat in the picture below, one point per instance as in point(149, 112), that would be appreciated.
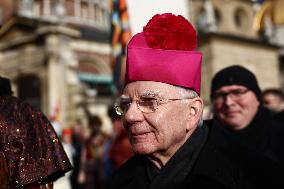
point(197, 164)
point(280, 117)
point(258, 149)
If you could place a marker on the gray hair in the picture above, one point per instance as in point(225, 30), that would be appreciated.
point(189, 93)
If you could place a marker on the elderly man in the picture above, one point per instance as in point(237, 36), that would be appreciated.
point(245, 129)
point(162, 111)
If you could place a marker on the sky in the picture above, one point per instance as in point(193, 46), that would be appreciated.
point(141, 11)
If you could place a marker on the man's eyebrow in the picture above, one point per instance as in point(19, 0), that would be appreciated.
point(150, 94)
point(124, 97)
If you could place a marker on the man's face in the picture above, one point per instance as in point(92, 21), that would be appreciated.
point(273, 102)
point(235, 106)
point(162, 131)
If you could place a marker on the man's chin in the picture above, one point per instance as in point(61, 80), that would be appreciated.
point(142, 149)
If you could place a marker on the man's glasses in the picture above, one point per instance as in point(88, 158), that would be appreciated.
point(147, 105)
point(233, 94)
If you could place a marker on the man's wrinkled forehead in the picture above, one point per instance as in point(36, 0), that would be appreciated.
point(144, 94)
point(148, 88)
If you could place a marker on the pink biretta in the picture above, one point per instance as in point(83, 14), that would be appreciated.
point(165, 52)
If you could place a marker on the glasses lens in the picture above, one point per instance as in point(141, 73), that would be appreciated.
point(118, 110)
point(234, 95)
point(121, 106)
point(147, 105)
point(238, 93)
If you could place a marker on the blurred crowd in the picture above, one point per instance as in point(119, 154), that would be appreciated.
point(94, 154)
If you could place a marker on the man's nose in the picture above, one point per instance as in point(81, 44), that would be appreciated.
point(133, 113)
point(228, 99)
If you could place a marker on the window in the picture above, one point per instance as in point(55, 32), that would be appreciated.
point(37, 9)
point(208, 19)
point(241, 19)
point(84, 10)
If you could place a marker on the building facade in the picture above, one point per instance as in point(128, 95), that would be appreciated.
point(57, 54)
point(227, 37)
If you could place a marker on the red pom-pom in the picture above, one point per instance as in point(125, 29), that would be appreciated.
point(168, 31)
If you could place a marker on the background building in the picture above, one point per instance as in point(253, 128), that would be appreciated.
point(57, 54)
point(227, 37)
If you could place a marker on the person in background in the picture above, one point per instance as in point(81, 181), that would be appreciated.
point(162, 110)
point(31, 155)
point(273, 99)
point(5, 87)
point(66, 139)
point(95, 123)
point(245, 129)
point(279, 116)
point(120, 150)
point(78, 140)
point(56, 125)
point(91, 169)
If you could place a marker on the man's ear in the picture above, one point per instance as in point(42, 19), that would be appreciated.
point(195, 112)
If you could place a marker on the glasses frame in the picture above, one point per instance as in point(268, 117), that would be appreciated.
point(234, 95)
point(159, 102)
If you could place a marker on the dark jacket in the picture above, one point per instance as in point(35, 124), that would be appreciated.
point(257, 149)
point(197, 164)
point(279, 116)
